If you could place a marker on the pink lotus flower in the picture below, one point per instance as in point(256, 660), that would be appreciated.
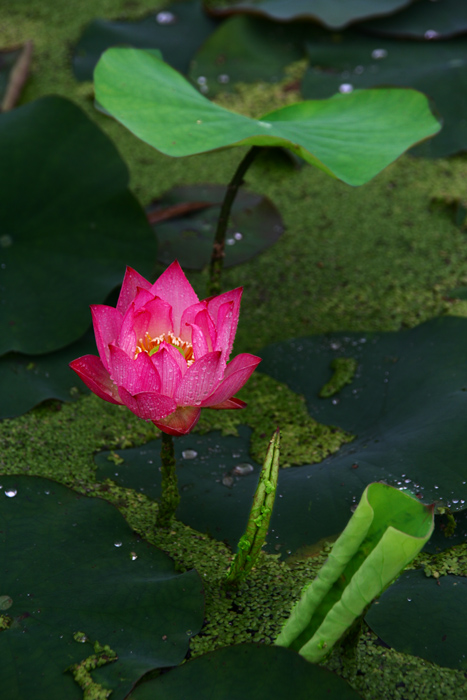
point(163, 353)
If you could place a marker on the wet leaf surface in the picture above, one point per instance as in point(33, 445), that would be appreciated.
point(71, 564)
point(255, 225)
point(267, 673)
point(436, 68)
point(64, 242)
point(177, 31)
point(352, 137)
point(425, 617)
point(247, 49)
point(334, 14)
point(407, 407)
point(428, 19)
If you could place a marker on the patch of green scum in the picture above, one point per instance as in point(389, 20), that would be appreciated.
point(5, 622)
point(377, 672)
point(271, 404)
point(344, 369)
point(450, 561)
point(256, 99)
point(58, 441)
point(82, 671)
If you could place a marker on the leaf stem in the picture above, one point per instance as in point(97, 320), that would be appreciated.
point(170, 496)
point(218, 248)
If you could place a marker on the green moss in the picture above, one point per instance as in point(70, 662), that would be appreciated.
point(344, 371)
point(82, 671)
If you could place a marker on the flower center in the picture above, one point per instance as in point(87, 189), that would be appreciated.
point(152, 345)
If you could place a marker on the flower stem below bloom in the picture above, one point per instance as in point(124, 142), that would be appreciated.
point(170, 496)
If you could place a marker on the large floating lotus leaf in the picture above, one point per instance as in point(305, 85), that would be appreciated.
point(71, 564)
point(424, 617)
point(437, 68)
point(255, 224)
point(334, 14)
point(384, 534)
point(423, 19)
point(352, 137)
point(27, 380)
point(249, 672)
point(247, 49)
point(69, 225)
point(406, 405)
point(177, 31)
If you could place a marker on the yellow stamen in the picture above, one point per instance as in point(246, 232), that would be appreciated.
point(151, 345)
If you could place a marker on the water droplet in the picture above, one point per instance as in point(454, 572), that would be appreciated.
point(80, 637)
point(409, 600)
point(345, 88)
point(204, 89)
point(189, 633)
point(407, 481)
point(47, 493)
point(189, 454)
point(5, 241)
point(335, 402)
point(230, 241)
point(199, 121)
point(238, 236)
point(335, 346)
point(436, 487)
point(379, 53)
point(201, 80)
point(455, 500)
point(117, 544)
point(5, 602)
point(165, 18)
point(430, 34)
point(134, 556)
point(11, 493)
point(358, 70)
point(243, 469)
point(228, 481)
point(223, 78)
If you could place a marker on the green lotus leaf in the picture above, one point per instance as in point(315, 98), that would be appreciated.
point(267, 673)
point(66, 214)
point(71, 564)
point(424, 616)
point(334, 14)
point(352, 137)
point(386, 531)
point(177, 31)
point(423, 19)
point(436, 68)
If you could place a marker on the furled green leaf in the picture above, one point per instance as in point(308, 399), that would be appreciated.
point(177, 31)
point(249, 672)
point(427, 19)
point(352, 137)
point(71, 564)
point(437, 68)
point(255, 224)
point(386, 531)
point(334, 14)
point(425, 617)
point(69, 225)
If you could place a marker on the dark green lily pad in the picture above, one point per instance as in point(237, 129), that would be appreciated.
point(71, 564)
point(66, 219)
point(14, 68)
point(27, 380)
point(177, 31)
point(250, 672)
point(247, 49)
point(406, 405)
point(423, 19)
point(425, 617)
point(255, 225)
point(334, 14)
point(436, 68)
